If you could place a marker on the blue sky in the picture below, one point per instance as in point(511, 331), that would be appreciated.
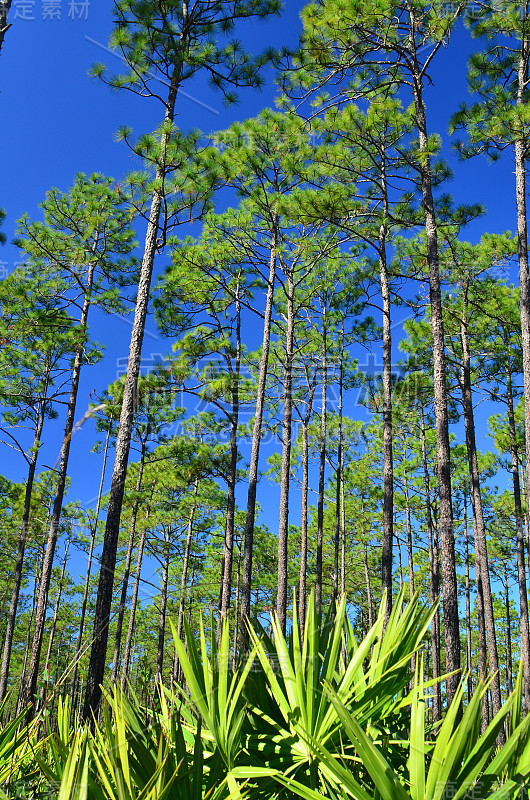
point(56, 121)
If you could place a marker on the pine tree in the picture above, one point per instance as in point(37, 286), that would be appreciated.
point(38, 343)
point(338, 46)
point(174, 42)
point(83, 245)
point(499, 120)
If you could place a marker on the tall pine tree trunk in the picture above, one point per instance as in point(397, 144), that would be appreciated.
point(228, 547)
point(163, 607)
point(236, 609)
point(481, 551)
point(520, 150)
point(434, 579)
point(482, 647)
point(127, 570)
point(134, 603)
point(96, 669)
point(20, 695)
point(521, 566)
point(302, 588)
point(322, 471)
point(468, 604)
point(388, 467)
point(55, 614)
point(446, 527)
point(342, 541)
point(409, 539)
point(509, 657)
point(184, 579)
point(248, 545)
point(47, 566)
point(338, 487)
point(84, 601)
point(368, 588)
point(283, 527)
point(17, 577)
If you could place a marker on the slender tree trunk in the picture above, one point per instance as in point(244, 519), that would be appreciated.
point(342, 541)
point(236, 610)
point(521, 566)
point(368, 589)
point(302, 591)
point(446, 527)
point(481, 552)
point(127, 569)
point(228, 548)
point(524, 497)
point(134, 603)
point(55, 613)
point(47, 566)
point(468, 605)
point(322, 471)
point(409, 539)
point(84, 602)
point(248, 545)
point(23, 535)
point(483, 655)
point(520, 152)
point(20, 695)
point(388, 466)
point(434, 580)
point(400, 565)
point(338, 492)
point(163, 608)
point(509, 656)
point(96, 667)
point(283, 527)
point(184, 579)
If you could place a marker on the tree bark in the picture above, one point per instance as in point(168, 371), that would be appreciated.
point(20, 695)
point(54, 615)
point(446, 527)
point(302, 589)
point(47, 566)
point(481, 551)
point(236, 610)
point(409, 539)
point(338, 488)
point(483, 655)
point(521, 566)
point(509, 658)
point(84, 602)
point(23, 535)
point(248, 545)
point(368, 589)
point(184, 580)
point(228, 547)
point(388, 467)
point(342, 541)
point(134, 602)
point(283, 527)
point(520, 152)
point(127, 571)
point(96, 668)
point(468, 605)
point(434, 580)
point(163, 607)
point(322, 472)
